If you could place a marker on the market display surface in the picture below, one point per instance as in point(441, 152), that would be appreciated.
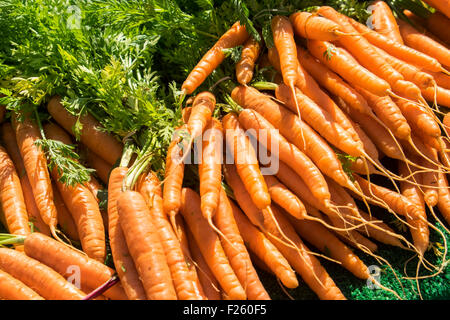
point(235, 150)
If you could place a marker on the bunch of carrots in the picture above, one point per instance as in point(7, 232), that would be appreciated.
point(339, 90)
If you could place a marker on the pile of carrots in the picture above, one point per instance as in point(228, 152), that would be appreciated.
point(340, 90)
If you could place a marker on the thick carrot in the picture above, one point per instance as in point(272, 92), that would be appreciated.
point(441, 5)
point(398, 50)
point(311, 26)
point(35, 162)
point(384, 22)
point(284, 198)
point(416, 40)
point(334, 58)
point(439, 24)
point(246, 64)
point(210, 168)
point(62, 259)
point(82, 205)
point(268, 136)
point(65, 220)
point(419, 232)
point(332, 82)
point(246, 161)
point(42, 279)
point(13, 289)
point(207, 279)
point(102, 143)
point(264, 249)
point(210, 246)
point(328, 243)
point(125, 267)
point(9, 141)
point(319, 120)
point(388, 112)
point(185, 288)
point(102, 168)
point(11, 198)
point(294, 130)
point(235, 36)
point(145, 246)
point(236, 252)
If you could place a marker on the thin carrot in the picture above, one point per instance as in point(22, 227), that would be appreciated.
point(237, 254)
point(210, 246)
point(430, 179)
point(9, 141)
point(444, 197)
point(13, 289)
point(125, 267)
point(416, 40)
point(246, 161)
point(35, 164)
point(42, 279)
point(384, 22)
point(440, 95)
point(441, 79)
point(246, 64)
point(82, 205)
point(65, 220)
point(235, 36)
point(102, 143)
point(145, 246)
point(149, 188)
point(312, 26)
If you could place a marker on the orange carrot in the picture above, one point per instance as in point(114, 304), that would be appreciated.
point(42, 279)
point(13, 289)
point(245, 65)
point(441, 79)
point(210, 246)
point(145, 246)
point(441, 5)
point(384, 21)
point(102, 168)
point(444, 197)
point(311, 26)
point(439, 24)
point(235, 36)
point(125, 267)
point(102, 143)
point(441, 96)
point(65, 219)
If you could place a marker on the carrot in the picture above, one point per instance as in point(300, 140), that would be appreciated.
point(235, 36)
point(430, 179)
point(96, 189)
point(264, 249)
point(388, 112)
point(441, 96)
point(444, 197)
point(13, 289)
point(246, 64)
point(201, 113)
point(332, 82)
point(441, 79)
point(150, 189)
point(311, 26)
point(328, 243)
point(65, 219)
point(237, 253)
point(11, 197)
point(384, 21)
point(9, 141)
point(125, 267)
point(61, 258)
point(416, 40)
point(284, 197)
point(145, 246)
point(102, 168)
point(35, 164)
point(209, 283)
point(319, 120)
point(419, 232)
point(411, 73)
point(438, 23)
point(210, 246)
point(81, 204)
point(364, 52)
point(246, 161)
point(42, 279)
point(369, 147)
point(100, 142)
point(441, 5)
point(292, 128)
point(185, 114)
point(210, 169)
point(286, 152)
point(354, 73)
